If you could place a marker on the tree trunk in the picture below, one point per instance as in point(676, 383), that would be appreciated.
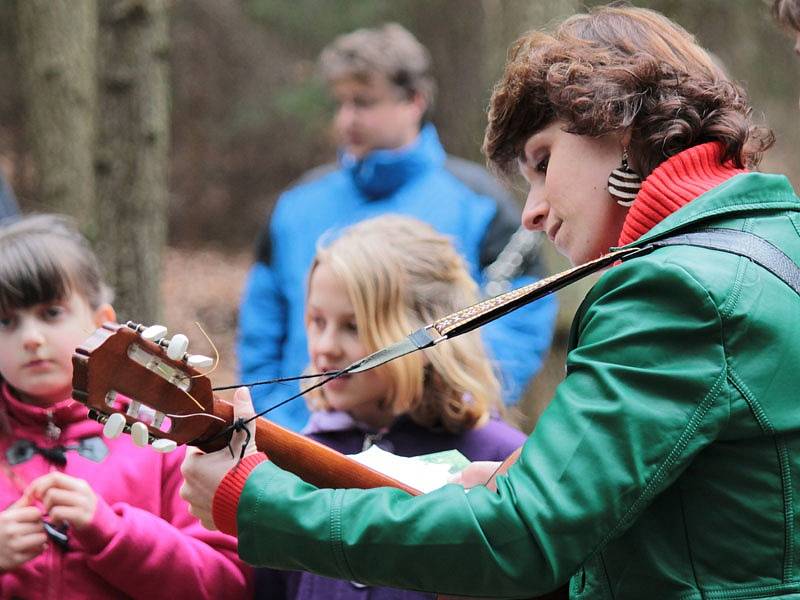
point(57, 46)
point(132, 151)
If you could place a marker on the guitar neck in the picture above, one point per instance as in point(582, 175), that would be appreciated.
point(313, 462)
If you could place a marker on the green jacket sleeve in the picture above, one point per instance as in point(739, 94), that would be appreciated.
point(642, 395)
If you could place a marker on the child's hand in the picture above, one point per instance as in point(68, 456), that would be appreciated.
point(485, 472)
point(22, 535)
point(66, 499)
point(477, 473)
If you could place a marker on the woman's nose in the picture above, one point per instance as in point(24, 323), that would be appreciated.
point(534, 214)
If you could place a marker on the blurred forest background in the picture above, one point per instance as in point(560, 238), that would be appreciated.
point(233, 113)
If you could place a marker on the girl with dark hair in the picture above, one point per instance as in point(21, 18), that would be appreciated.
point(82, 516)
point(666, 465)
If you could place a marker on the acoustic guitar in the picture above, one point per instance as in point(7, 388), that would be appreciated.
point(132, 384)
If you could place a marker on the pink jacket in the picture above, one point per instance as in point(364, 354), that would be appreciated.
point(142, 543)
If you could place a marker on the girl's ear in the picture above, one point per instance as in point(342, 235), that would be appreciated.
point(103, 313)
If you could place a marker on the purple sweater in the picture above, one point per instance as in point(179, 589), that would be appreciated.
point(494, 441)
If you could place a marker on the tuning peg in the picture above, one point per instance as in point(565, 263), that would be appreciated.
point(140, 434)
point(198, 361)
point(177, 346)
point(154, 333)
point(164, 445)
point(114, 425)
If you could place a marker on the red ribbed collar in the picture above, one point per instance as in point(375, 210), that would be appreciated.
point(673, 184)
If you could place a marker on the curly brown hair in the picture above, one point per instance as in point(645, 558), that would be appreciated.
point(621, 70)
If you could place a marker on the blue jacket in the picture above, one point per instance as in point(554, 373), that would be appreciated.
point(418, 181)
point(8, 202)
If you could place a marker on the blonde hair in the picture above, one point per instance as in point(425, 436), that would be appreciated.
point(397, 287)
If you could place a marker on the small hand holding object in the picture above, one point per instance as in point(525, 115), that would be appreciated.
point(203, 473)
point(485, 472)
point(67, 500)
point(22, 535)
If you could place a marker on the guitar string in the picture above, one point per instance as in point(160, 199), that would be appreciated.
point(269, 381)
point(237, 425)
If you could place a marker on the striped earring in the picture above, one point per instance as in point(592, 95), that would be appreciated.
point(624, 183)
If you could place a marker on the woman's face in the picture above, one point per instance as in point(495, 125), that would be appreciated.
point(334, 343)
point(568, 197)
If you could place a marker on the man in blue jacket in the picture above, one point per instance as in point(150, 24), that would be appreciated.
point(391, 161)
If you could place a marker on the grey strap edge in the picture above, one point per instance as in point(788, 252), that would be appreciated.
point(741, 243)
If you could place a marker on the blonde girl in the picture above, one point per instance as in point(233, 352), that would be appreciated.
point(372, 285)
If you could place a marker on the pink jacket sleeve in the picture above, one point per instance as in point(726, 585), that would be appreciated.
point(172, 555)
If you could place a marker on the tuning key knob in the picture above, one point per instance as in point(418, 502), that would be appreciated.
point(164, 445)
point(198, 361)
point(114, 425)
point(140, 434)
point(177, 346)
point(154, 333)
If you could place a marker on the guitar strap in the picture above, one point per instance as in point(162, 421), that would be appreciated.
point(742, 243)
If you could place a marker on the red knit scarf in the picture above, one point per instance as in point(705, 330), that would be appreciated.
point(673, 184)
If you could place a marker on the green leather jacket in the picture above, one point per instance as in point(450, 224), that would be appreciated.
point(666, 466)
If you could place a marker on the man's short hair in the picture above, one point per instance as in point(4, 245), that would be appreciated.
point(787, 13)
point(390, 50)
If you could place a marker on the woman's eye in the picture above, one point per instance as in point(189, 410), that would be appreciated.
point(6, 322)
point(541, 166)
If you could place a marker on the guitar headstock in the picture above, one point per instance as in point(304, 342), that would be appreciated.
point(132, 379)
point(147, 386)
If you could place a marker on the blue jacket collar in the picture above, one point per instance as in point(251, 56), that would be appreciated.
point(382, 172)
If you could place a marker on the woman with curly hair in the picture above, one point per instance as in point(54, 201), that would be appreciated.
point(668, 463)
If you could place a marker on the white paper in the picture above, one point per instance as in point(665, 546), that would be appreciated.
point(424, 473)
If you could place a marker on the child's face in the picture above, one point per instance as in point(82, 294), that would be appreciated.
point(333, 343)
point(36, 346)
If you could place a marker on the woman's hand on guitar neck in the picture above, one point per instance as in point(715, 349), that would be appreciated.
point(203, 473)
